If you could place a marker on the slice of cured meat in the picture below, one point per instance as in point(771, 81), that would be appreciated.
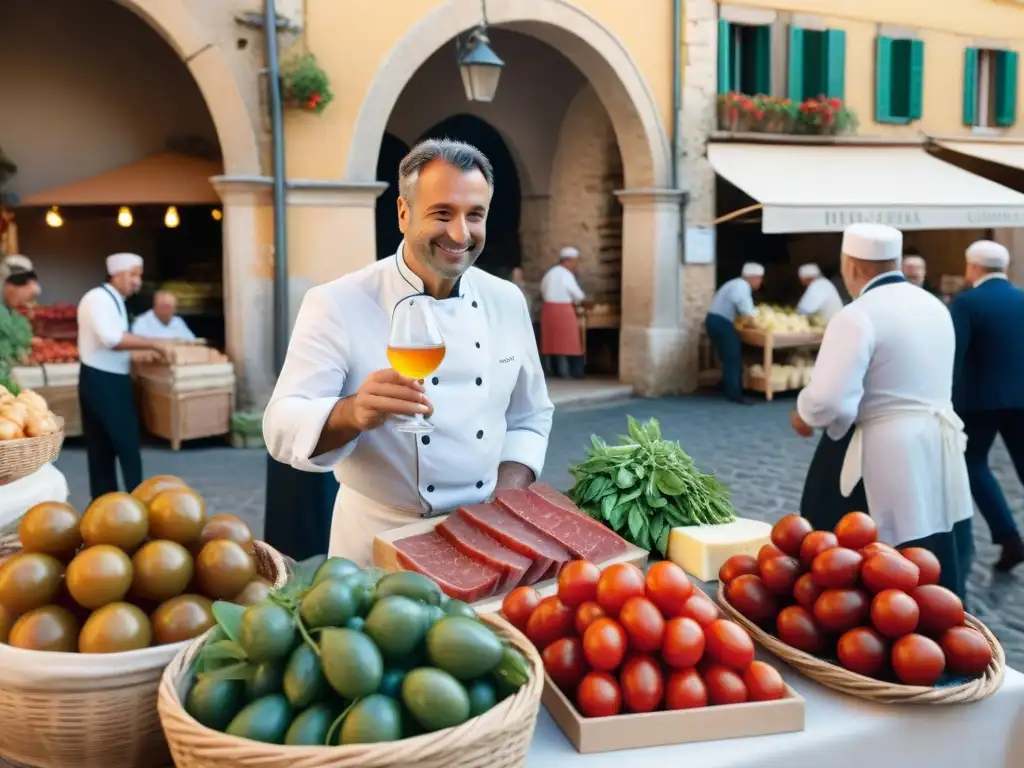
point(554, 514)
point(480, 546)
point(458, 576)
point(546, 553)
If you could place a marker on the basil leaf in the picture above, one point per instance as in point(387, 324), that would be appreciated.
point(667, 483)
point(624, 478)
point(636, 521)
point(618, 516)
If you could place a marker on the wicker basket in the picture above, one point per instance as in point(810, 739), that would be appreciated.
point(62, 710)
point(843, 680)
point(20, 458)
point(499, 738)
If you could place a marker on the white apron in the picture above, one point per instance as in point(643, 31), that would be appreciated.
point(905, 500)
point(357, 519)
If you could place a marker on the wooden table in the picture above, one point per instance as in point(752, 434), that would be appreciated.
point(769, 341)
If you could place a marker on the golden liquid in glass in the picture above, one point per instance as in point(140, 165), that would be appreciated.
point(416, 362)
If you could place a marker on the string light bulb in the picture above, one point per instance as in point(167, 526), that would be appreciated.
point(216, 214)
point(124, 216)
point(53, 218)
point(171, 218)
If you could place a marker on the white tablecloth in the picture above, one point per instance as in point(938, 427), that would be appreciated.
point(47, 484)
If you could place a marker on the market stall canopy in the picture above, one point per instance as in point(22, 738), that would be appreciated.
point(802, 188)
point(1002, 153)
point(165, 179)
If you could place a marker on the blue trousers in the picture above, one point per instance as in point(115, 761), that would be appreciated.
point(981, 428)
point(111, 428)
point(727, 344)
point(299, 509)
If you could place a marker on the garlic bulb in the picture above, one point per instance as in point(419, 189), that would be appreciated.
point(38, 424)
point(9, 430)
point(14, 412)
point(33, 401)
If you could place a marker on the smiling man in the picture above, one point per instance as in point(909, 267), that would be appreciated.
point(488, 402)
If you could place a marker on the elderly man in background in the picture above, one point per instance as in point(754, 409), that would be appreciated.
point(560, 339)
point(733, 300)
point(916, 271)
point(820, 297)
point(162, 322)
point(20, 282)
point(988, 385)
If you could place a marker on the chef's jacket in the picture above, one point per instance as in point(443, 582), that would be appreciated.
point(152, 327)
point(102, 323)
point(820, 298)
point(559, 286)
point(735, 297)
point(489, 395)
point(886, 365)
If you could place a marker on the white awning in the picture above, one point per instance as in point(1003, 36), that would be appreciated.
point(1003, 153)
point(805, 188)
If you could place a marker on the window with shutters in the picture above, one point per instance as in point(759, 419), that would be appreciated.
point(899, 80)
point(990, 88)
point(817, 63)
point(744, 58)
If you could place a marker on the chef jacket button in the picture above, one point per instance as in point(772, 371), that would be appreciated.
point(478, 345)
point(430, 489)
point(479, 483)
point(435, 381)
point(474, 305)
point(479, 381)
point(480, 435)
point(426, 439)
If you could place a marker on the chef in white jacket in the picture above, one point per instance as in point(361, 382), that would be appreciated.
point(882, 385)
point(820, 297)
point(487, 400)
point(162, 321)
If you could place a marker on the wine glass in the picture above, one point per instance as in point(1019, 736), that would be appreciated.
point(415, 349)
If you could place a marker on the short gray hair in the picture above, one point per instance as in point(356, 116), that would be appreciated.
point(457, 154)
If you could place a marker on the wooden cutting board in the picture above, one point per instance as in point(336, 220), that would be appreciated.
point(385, 556)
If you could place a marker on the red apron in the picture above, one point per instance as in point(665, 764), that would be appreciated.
point(559, 330)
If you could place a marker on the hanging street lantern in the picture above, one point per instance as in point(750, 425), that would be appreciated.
point(479, 66)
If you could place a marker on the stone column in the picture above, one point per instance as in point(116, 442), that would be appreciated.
point(651, 338)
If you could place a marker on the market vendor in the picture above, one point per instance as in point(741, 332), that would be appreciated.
point(488, 401)
point(561, 343)
point(820, 297)
point(109, 421)
point(162, 321)
point(916, 271)
point(882, 391)
point(20, 282)
point(733, 300)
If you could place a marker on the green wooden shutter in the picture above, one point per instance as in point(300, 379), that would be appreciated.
point(835, 77)
point(1006, 87)
point(916, 79)
point(763, 59)
point(971, 86)
point(883, 79)
point(796, 64)
point(724, 56)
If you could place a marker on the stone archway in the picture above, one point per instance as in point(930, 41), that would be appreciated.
point(651, 330)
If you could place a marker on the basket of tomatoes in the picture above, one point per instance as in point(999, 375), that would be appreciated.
point(861, 617)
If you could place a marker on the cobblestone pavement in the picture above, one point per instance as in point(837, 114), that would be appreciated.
point(752, 449)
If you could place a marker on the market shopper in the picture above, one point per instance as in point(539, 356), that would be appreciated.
point(488, 401)
point(733, 300)
point(882, 391)
point(561, 343)
point(820, 296)
point(20, 284)
point(109, 421)
point(162, 321)
point(988, 385)
point(915, 269)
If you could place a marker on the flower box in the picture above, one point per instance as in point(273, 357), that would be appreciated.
point(741, 113)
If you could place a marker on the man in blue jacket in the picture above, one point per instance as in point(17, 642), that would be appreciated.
point(988, 384)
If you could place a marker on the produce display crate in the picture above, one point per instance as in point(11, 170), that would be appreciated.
point(63, 402)
point(190, 415)
point(769, 341)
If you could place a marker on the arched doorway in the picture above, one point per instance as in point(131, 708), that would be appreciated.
point(392, 150)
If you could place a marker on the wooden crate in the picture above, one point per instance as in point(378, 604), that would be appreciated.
point(180, 416)
point(63, 402)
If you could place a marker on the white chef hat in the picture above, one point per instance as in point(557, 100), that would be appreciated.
point(752, 269)
point(15, 264)
point(807, 271)
point(122, 262)
point(568, 253)
point(987, 254)
point(913, 261)
point(873, 242)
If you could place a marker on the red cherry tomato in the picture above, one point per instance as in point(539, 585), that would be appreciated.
point(751, 597)
point(836, 568)
point(764, 683)
point(604, 644)
point(926, 562)
point(586, 614)
point(564, 663)
point(519, 604)
point(642, 685)
point(684, 643)
point(738, 565)
point(617, 584)
point(668, 587)
point(724, 685)
point(855, 530)
point(701, 609)
point(726, 642)
point(940, 608)
point(967, 651)
point(917, 660)
point(549, 622)
point(889, 570)
point(814, 544)
point(598, 695)
point(894, 613)
point(766, 553)
point(644, 624)
point(577, 582)
point(796, 627)
point(862, 650)
point(685, 689)
point(779, 574)
point(789, 533)
point(806, 591)
point(838, 610)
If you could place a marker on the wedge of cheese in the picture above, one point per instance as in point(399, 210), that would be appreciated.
point(702, 549)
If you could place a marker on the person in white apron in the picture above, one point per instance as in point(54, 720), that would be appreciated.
point(488, 401)
point(820, 297)
point(883, 380)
